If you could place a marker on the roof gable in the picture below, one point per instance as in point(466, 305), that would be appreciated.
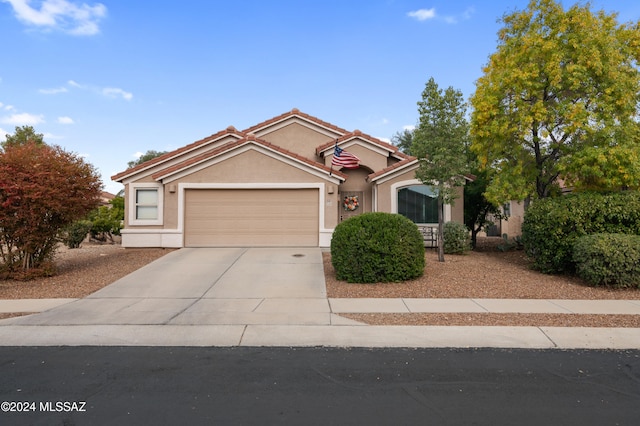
point(409, 163)
point(377, 144)
point(175, 155)
point(234, 148)
point(295, 115)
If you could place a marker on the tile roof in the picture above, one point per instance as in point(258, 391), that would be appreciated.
point(358, 134)
point(294, 113)
point(249, 139)
point(165, 157)
point(387, 170)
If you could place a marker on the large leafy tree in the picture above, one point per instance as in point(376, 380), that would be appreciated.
point(440, 142)
point(42, 190)
point(23, 135)
point(560, 93)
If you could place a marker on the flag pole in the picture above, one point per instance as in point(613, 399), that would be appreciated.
point(334, 153)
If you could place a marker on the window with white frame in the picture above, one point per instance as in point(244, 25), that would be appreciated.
point(146, 205)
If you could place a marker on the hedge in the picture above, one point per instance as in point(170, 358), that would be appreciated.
point(608, 259)
point(551, 226)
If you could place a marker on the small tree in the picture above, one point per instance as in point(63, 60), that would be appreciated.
point(42, 190)
point(107, 221)
point(22, 136)
point(440, 141)
point(403, 140)
point(149, 155)
point(478, 211)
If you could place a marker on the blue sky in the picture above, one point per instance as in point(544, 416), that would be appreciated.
point(109, 80)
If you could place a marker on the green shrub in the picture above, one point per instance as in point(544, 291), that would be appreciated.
point(74, 234)
point(106, 223)
point(377, 247)
point(456, 238)
point(608, 259)
point(552, 225)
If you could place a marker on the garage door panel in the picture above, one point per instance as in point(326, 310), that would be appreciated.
point(251, 217)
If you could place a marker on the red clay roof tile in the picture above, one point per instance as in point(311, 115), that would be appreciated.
point(250, 138)
point(357, 133)
point(292, 113)
point(165, 157)
point(407, 161)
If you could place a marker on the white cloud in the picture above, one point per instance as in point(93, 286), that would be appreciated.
point(387, 140)
point(114, 92)
point(3, 134)
point(426, 14)
point(423, 14)
point(50, 136)
point(70, 17)
point(53, 91)
point(137, 155)
point(24, 119)
point(6, 107)
point(109, 92)
point(468, 13)
point(409, 127)
point(65, 120)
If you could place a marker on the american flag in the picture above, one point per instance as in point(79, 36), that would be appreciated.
point(342, 158)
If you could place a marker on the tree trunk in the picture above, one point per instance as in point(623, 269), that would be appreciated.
point(440, 230)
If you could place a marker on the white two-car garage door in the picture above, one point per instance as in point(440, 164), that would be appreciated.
point(251, 217)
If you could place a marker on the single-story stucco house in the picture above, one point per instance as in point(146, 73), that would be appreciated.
point(272, 184)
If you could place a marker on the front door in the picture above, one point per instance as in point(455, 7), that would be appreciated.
point(351, 204)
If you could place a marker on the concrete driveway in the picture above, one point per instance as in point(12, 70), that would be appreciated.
point(277, 297)
point(200, 286)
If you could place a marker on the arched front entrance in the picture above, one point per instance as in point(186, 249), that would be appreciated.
point(355, 194)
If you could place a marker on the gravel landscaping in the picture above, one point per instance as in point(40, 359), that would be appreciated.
point(486, 273)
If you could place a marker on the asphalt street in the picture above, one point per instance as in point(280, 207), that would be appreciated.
point(251, 386)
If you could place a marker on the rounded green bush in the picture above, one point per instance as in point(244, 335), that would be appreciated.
point(75, 233)
point(551, 226)
point(608, 259)
point(457, 239)
point(377, 247)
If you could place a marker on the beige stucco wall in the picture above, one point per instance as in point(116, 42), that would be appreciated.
point(369, 159)
point(457, 209)
point(384, 195)
point(250, 167)
point(356, 181)
point(297, 138)
point(513, 226)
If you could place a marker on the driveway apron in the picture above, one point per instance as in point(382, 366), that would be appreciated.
point(197, 286)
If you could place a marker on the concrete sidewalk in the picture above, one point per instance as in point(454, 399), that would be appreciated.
point(277, 297)
point(289, 306)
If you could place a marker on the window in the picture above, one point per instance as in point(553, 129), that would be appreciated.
point(146, 204)
point(419, 203)
point(145, 201)
point(506, 208)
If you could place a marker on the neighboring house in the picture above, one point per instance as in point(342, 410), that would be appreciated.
point(270, 185)
point(511, 225)
point(105, 198)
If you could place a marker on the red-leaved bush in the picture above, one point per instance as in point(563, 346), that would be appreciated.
point(42, 189)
